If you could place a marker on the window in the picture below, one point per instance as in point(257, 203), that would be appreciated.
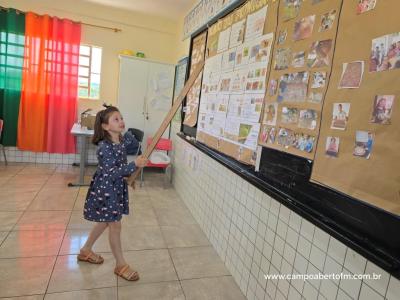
point(89, 72)
point(11, 60)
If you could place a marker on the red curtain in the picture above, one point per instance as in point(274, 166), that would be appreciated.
point(66, 38)
point(49, 87)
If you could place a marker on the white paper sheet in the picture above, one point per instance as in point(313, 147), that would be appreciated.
point(237, 33)
point(255, 23)
point(223, 40)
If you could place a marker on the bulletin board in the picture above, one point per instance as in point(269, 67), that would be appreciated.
point(331, 115)
point(230, 111)
point(300, 71)
point(364, 160)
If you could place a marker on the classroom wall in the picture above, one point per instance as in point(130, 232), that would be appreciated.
point(160, 39)
point(255, 235)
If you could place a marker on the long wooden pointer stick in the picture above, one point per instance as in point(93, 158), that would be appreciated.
point(177, 103)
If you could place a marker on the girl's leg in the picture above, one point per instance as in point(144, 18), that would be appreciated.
point(115, 242)
point(97, 230)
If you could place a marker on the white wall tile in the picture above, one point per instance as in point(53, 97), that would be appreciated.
point(309, 292)
point(332, 267)
point(350, 286)
point(342, 295)
point(329, 289)
point(255, 235)
point(369, 294)
point(337, 250)
point(307, 230)
point(380, 285)
point(304, 247)
point(393, 291)
point(292, 237)
point(354, 262)
point(321, 239)
point(293, 294)
point(317, 258)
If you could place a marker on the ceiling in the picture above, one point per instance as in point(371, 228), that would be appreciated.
point(170, 9)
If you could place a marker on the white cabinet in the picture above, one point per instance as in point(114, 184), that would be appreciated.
point(145, 93)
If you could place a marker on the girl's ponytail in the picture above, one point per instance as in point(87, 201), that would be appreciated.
point(99, 132)
point(102, 118)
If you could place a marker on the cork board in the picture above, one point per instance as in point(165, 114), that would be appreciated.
point(300, 70)
point(193, 97)
point(375, 180)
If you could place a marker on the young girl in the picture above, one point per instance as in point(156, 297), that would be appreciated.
point(107, 197)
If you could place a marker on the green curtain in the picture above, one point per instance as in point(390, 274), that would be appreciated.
point(12, 42)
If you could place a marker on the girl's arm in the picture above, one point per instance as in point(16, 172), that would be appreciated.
point(129, 138)
point(108, 165)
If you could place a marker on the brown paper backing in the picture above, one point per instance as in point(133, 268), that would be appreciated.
point(307, 9)
point(375, 180)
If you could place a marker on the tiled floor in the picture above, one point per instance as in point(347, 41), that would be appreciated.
point(42, 230)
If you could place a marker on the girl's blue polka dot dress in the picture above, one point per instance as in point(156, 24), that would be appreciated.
point(107, 197)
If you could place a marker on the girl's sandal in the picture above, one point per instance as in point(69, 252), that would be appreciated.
point(90, 257)
point(127, 273)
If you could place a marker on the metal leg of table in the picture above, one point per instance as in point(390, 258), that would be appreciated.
point(82, 163)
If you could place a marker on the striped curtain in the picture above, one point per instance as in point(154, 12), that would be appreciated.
point(12, 42)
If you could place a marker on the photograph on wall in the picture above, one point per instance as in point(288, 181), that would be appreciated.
point(327, 21)
point(303, 142)
point(291, 9)
point(255, 23)
point(282, 36)
point(385, 53)
point(315, 97)
point(260, 49)
point(382, 109)
point(303, 28)
point(340, 115)
point(363, 144)
point(365, 5)
point(293, 87)
point(318, 80)
point(242, 55)
point(270, 114)
point(290, 115)
point(264, 134)
point(255, 81)
point(237, 33)
point(319, 54)
point(273, 85)
point(332, 146)
point(286, 137)
point(308, 119)
point(351, 75)
point(298, 59)
point(272, 135)
point(282, 58)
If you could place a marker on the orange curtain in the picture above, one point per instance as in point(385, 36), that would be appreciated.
point(49, 85)
point(32, 122)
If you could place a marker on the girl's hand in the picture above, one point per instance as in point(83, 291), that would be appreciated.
point(141, 161)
